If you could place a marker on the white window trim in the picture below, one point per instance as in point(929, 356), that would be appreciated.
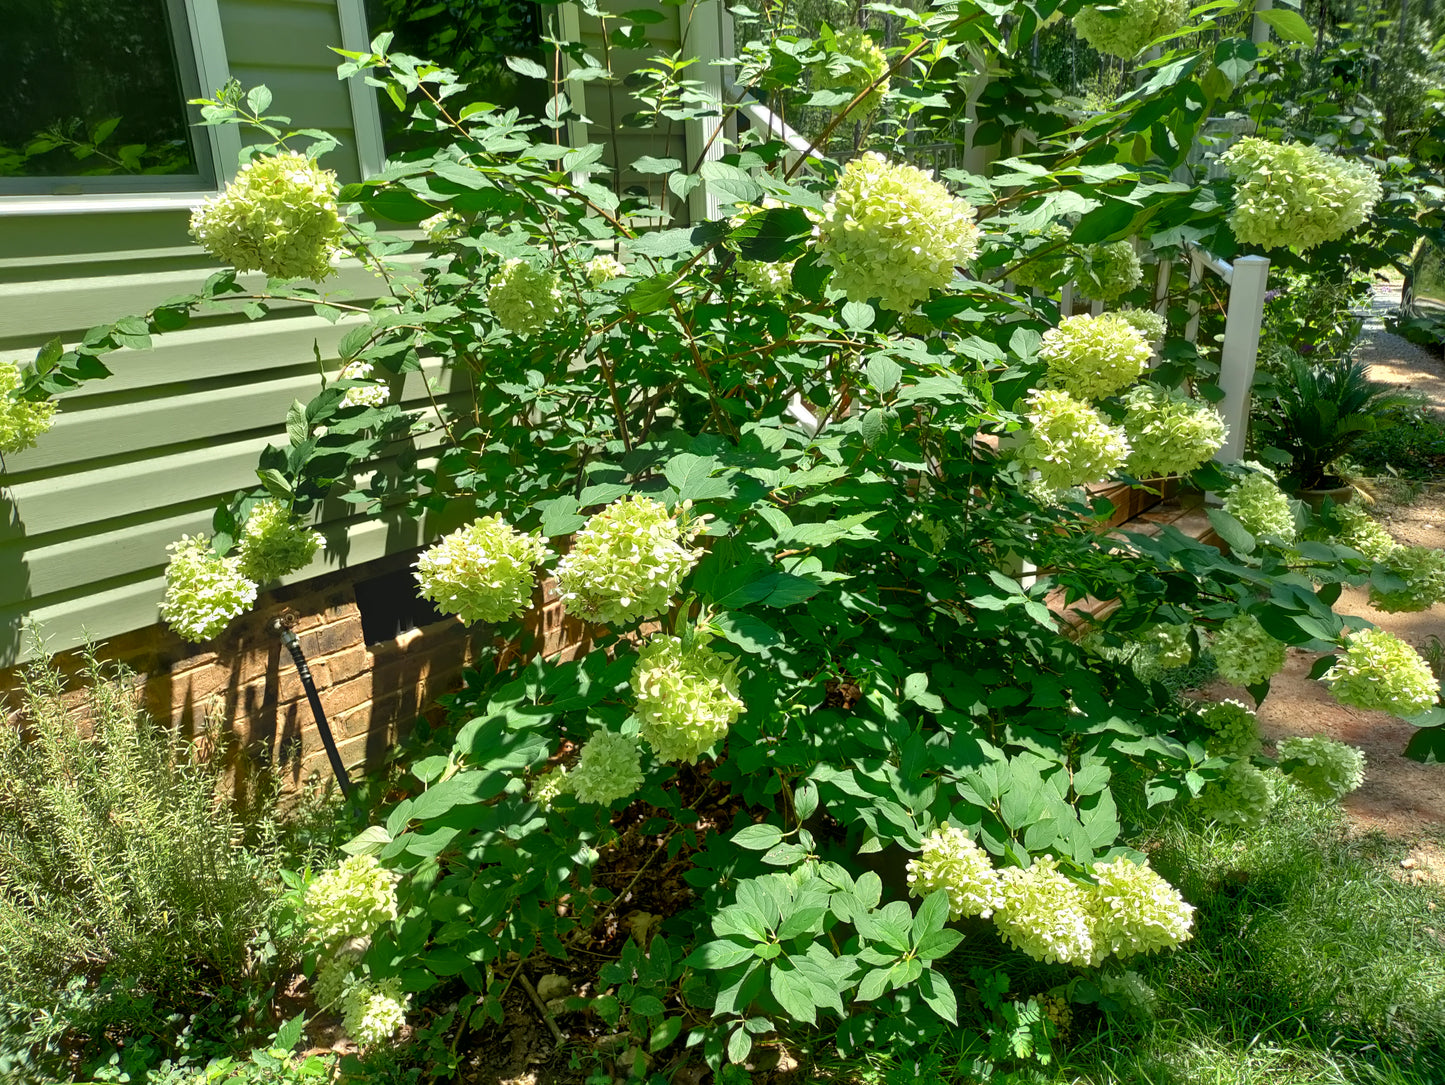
point(365, 116)
point(203, 18)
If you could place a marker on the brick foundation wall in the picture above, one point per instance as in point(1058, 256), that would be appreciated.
point(245, 683)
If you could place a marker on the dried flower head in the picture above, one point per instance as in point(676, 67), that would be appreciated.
point(1294, 194)
point(1169, 433)
point(278, 216)
point(21, 420)
point(481, 572)
point(687, 698)
point(204, 591)
point(627, 562)
point(951, 861)
point(1381, 673)
point(1092, 357)
point(609, 768)
point(523, 297)
point(350, 901)
point(1068, 442)
point(1325, 768)
point(274, 543)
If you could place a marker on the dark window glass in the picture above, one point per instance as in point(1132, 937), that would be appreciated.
point(97, 89)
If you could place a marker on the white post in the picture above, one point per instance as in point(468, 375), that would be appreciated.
point(704, 36)
point(1241, 349)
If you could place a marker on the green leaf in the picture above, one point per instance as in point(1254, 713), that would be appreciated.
point(740, 1045)
point(932, 915)
point(258, 99)
point(858, 315)
point(691, 477)
point(650, 294)
point(722, 953)
point(747, 632)
point(779, 233)
point(1235, 57)
point(883, 374)
point(1427, 746)
point(665, 1033)
point(938, 944)
point(794, 993)
point(648, 1006)
point(661, 244)
point(1290, 25)
point(529, 68)
point(758, 837)
point(297, 428)
point(1235, 534)
point(368, 842)
point(939, 995)
point(648, 164)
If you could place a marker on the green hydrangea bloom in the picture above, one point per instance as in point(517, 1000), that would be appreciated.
point(855, 62)
point(1049, 270)
point(1261, 506)
point(333, 979)
point(608, 768)
point(1129, 25)
point(373, 1011)
point(1294, 194)
point(22, 421)
point(765, 277)
point(1325, 768)
point(374, 394)
point(1362, 532)
point(949, 860)
point(1381, 673)
point(1068, 442)
point(1244, 653)
point(1422, 568)
point(1240, 796)
point(274, 543)
point(1169, 433)
point(1092, 357)
point(1106, 272)
point(350, 901)
point(604, 268)
point(523, 297)
point(1135, 910)
point(550, 786)
point(627, 562)
point(278, 216)
point(204, 591)
point(687, 698)
point(481, 572)
point(1146, 322)
point(1168, 644)
point(893, 233)
point(1235, 727)
point(1046, 915)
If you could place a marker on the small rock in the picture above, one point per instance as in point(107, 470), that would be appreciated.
point(553, 986)
point(1408, 863)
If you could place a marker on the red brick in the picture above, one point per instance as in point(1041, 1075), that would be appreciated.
point(348, 663)
point(346, 695)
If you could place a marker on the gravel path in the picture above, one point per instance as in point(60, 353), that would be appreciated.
point(1398, 361)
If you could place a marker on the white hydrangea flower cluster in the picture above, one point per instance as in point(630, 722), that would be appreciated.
point(443, 226)
point(1294, 194)
point(1129, 25)
point(523, 297)
point(363, 395)
point(274, 543)
point(1241, 796)
point(1046, 915)
point(1244, 653)
point(373, 1011)
point(1050, 268)
point(765, 277)
point(204, 591)
point(627, 561)
point(608, 768)
point(1091, 357)
point(1235, 727)
point(855, 63)
point(481, 572)
point(604, 268)
point(350, 901)
point(21, 420)
point(1261, 506)
point(687, 698)
point(1107, 272)
point(1169, 433)
point(278, 216)
point(892, 232)
point(1168, 644)
point(1146, 322)
point(1325, 768)
point(1068, 442)
point(333, 979)
point(1362, 532)
point(550, 786)
point(950, 860)
point(1136, 911)
point(1130, 989)
point(1422, 568)
point(1379, 672)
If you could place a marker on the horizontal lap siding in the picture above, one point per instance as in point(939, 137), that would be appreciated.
point(137, 460)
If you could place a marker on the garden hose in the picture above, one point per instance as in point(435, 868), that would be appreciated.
point(293, 645)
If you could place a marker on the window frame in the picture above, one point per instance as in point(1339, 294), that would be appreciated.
point(217, 147)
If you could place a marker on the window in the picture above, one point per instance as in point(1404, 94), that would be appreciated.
point(95, 99)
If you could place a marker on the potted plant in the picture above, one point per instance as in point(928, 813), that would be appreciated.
point(1318, 413)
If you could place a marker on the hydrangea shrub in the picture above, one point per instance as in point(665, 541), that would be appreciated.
point(608, 768)
point(274, 543)
point(350, 901)
point(1325, 768)
point(1422, 568)
point(950, 860)
point(524, 297)
point(1169, 433)
point(1122, 29)
point(1244, 653)
point(1261, 506)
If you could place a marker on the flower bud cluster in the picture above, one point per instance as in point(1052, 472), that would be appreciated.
point(1068, 442)
point(278, 216)
point(372, 1011)
point(1092, 357)
point(1296, 195)
point(892, 232)
point(687, 698)
point(1169, 433)
point(627, 562)
point(608, 768)
point(1107, 272)
point(604, 268)
point(1325, 768)
point(204, 591)
point(855, 62)
point(950, 860)
point(21, 420)
point(1125, 27)
point(1235, 727)
point(550, 786)
point(1244, 653)
point(523, 297)
point(1240, 796)
point(1422, 568)
point(1381, 673)
point(274, 543)
point(1261, 506)
point(350, 901)
point(481, 572)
